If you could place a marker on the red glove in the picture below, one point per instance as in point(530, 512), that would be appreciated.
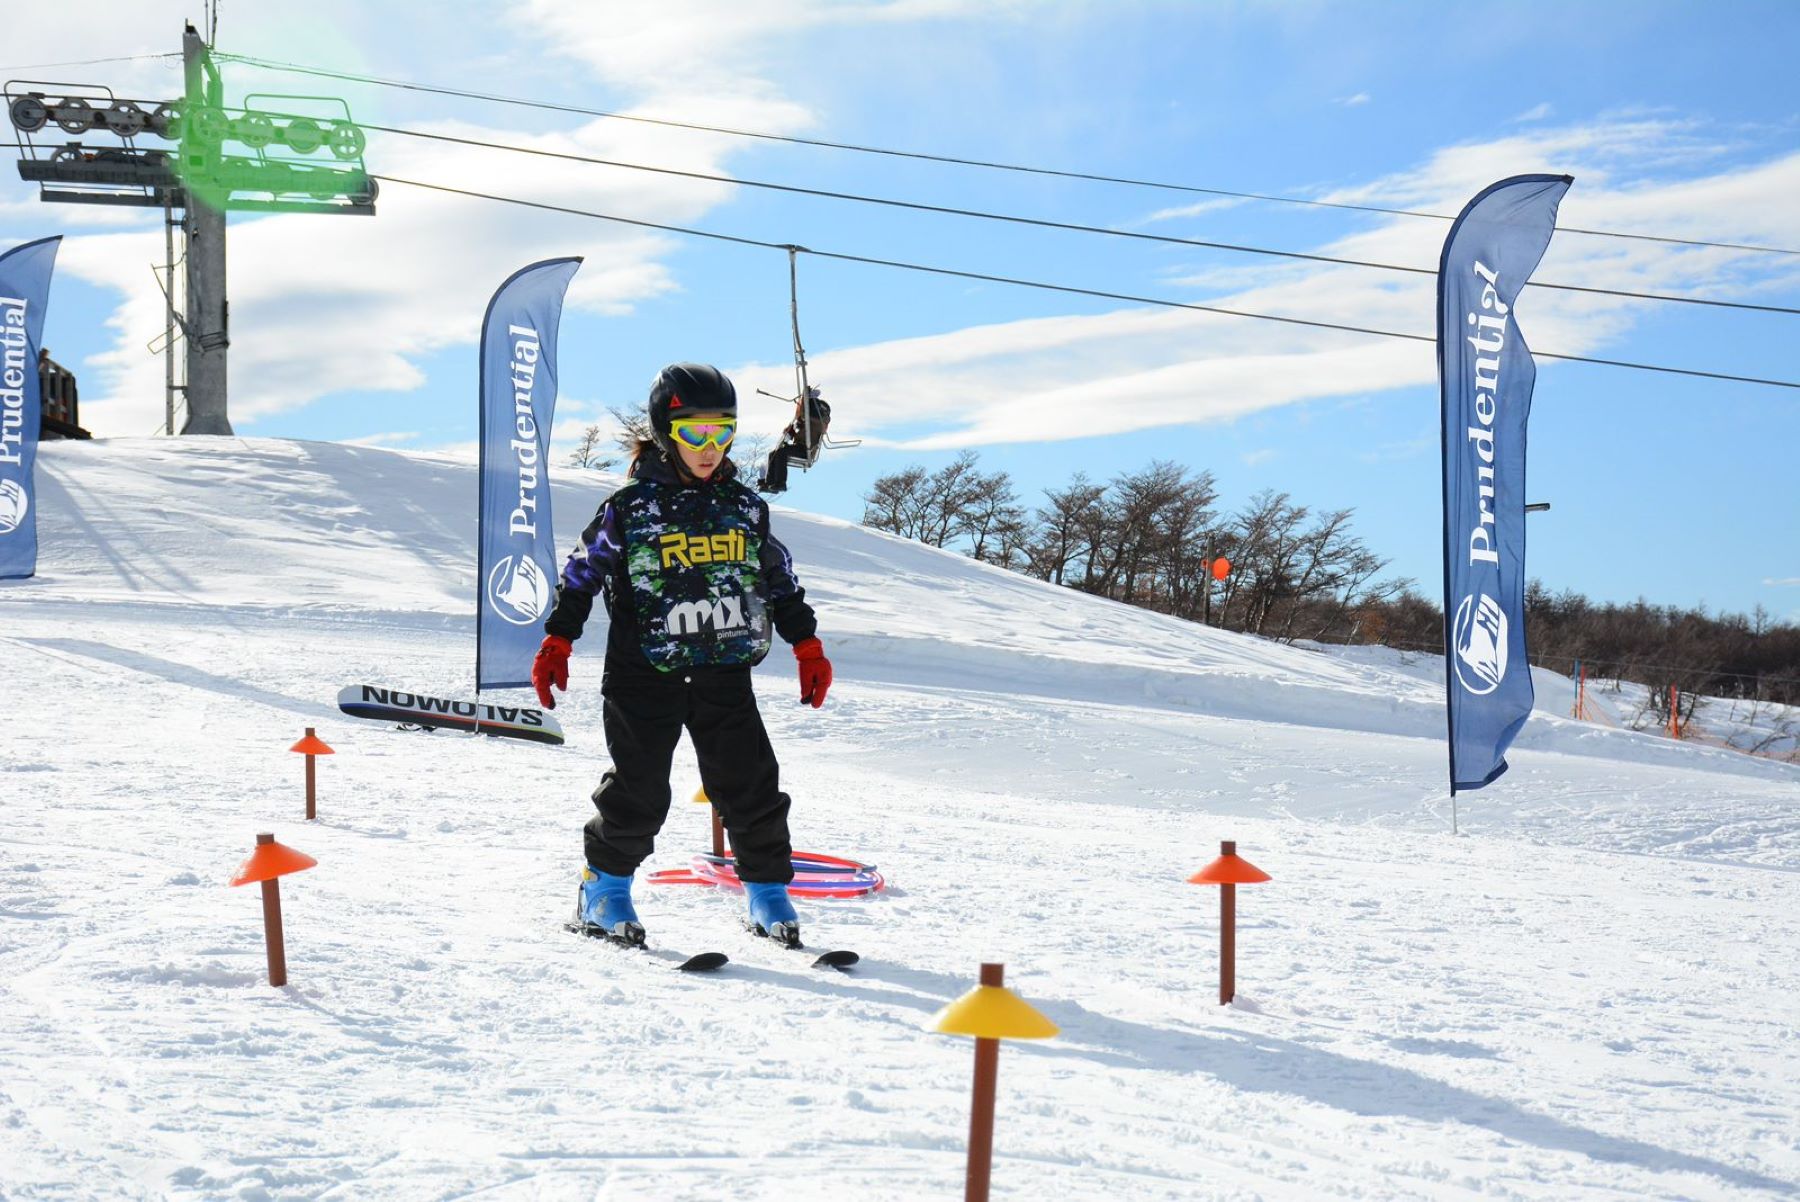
point(815, 672)
point(551, 667)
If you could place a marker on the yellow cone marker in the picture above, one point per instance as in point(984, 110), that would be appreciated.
point(993, 1012)
point(990, 1012)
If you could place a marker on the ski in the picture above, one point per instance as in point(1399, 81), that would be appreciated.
point(789, 938)
point(703, 962)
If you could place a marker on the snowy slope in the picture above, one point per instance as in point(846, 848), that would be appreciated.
point(1588, 995)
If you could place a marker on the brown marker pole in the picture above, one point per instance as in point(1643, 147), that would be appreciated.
point(271, 899)
point(981, 1111)
point(1228, 872)
point(312, 806)
point(269, 861)
point(1227, 932)
point(989, 1012)
point(313, 746)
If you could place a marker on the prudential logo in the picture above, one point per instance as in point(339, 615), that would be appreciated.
point(13, 504)
point(1480, 634)
point(518, 591)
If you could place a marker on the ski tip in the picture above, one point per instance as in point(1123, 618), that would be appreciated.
point(705, 962)
point(840, 960)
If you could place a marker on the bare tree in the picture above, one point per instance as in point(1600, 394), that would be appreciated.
point(1123, 532)
point(587, 451)
point(634, 427)
point(1321, 555)
point(1058, 540)
point(1013, 543)
point(1357, 592)
point(990, 516)
point(893, 502)
point(1179, 557)
point(1267, 546)
point(947, 500)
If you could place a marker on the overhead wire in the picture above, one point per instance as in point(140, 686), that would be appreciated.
point(89, 62)
point(1044, 223)
point(1048, 287)
point(953, 160)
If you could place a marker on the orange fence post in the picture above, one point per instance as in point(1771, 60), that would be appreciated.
point(990, 1012)
point(1228, 872)
point(312, 745)
point(270, 861)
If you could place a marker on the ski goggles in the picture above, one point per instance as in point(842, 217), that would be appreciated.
point(699, 434)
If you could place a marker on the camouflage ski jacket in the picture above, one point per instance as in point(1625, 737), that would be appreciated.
point(690, 574)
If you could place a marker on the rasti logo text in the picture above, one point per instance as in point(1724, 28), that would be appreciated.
point(12, 380)
point(525, 446)
point(691, 549)
point(1488, 340)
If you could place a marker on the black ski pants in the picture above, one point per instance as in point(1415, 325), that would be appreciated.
point(645, 713)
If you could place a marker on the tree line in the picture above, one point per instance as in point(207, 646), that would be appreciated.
point(1149, 538)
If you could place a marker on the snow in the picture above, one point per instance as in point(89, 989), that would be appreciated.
point(1588, 994)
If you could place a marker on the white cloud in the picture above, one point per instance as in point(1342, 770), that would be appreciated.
point(699, 51)
point(305, 325)
point(1348, 102)
point(1783, 582)
point(1535, 113)
point(326, 304)
point(1074, 377)
point(1194, 210)
point(340, 303)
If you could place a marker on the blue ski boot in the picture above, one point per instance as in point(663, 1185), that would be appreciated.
point(603, 908)
point(771, 913)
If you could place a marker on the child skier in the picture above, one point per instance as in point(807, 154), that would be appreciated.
point(692, 580)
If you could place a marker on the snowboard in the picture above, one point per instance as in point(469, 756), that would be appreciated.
point(399, 705)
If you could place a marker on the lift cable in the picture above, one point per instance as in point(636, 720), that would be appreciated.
point(1062, 288)
point(1042, 223)
point(985, 164)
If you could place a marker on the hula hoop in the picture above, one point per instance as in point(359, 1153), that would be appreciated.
point(815, 875)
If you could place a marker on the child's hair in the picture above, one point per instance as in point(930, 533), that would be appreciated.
point(641, 448)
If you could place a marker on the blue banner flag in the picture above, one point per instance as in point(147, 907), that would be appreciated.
point(516, 563)
point(24, 294)
point(1486, 372)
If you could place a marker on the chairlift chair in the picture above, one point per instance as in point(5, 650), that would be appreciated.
point(807, 437)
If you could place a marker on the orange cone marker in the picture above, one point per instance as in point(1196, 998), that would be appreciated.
point(268, 862)
point(1228, 872)
point(312, 745)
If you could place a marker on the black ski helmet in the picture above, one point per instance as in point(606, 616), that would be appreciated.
point(693, 387)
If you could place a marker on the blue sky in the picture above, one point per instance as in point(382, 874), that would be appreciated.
point(1676, 119)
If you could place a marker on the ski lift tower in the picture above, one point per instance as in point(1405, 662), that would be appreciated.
point(202, 178)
